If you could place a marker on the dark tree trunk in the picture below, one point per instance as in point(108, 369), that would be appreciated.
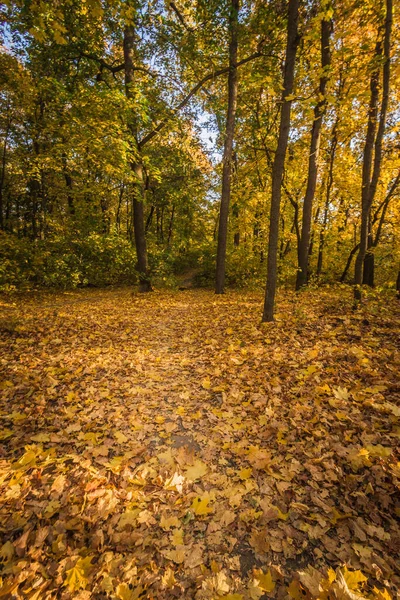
point(162, 224)
point(332, 153)
point(228, 147)
point(118, 215)
point(3, 173)
point(236, 235)
point(68, 183)
point(319, 111)
point(170, 226)
point(369, 259)
point(348, 263)
point(139, 230)
point(369, 269)
point(150, 218)
point(366, 176)
point(136, 168)
point(372, 157)
point(279, 159)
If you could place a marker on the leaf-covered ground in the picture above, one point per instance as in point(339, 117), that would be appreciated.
point(170, 446)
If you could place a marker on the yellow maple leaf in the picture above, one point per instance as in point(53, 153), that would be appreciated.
point(129, 517)
point(77, 576)
point(294, 590)
point(124, 592)
point(27, 460)
point(120, 437)
point(245, 473)
point(206, 383)
point(6, 552)
point(177, 556)
point(353, 578)
point(200, 506)
point(196, 471)
point(381, 594)
point(177, 537)
point(168, 579)
point(264, 581)
point(167, 522)
point(5, 434)
point(40, 437)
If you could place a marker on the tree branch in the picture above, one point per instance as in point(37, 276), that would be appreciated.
point(113, 68)
point(180, 17)
point(192, 92)
point(103, 64)
point(384, 205)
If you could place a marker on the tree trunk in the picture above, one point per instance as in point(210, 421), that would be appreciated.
point(150, 217)
point(372, 158)
point(68, 183)
point(136, 168)
point(228, 147)
point(279, 160)
point(319, 111)
point(170, 226)
point(236, 235)
point(348, 263)
point(329, 185)
point(3, 173)
point(118, 215)
point(369, 262)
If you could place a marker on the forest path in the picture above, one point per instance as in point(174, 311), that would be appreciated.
point(172, 443)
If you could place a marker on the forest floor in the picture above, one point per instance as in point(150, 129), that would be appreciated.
point(170, 446)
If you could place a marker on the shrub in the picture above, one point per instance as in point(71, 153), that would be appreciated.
point(98, 260)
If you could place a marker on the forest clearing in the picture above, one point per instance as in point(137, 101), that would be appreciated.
point(169, 445)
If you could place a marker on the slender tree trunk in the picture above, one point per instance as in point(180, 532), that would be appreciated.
point(68, 183)
point(150, 218)
point(3, 173)
point(332, 153)
point(136, 168)
point(170, 226)
point(279, 159)
point(369, 261)
point(372, 158)
point(319, 111)
point(118, 215)
point(236, 235)
point(162, 224)
point(228, 147)
point(348, 263)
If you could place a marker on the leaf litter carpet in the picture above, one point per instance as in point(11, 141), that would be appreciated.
point(170, 446)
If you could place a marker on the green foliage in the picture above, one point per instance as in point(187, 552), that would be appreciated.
point(66, 262)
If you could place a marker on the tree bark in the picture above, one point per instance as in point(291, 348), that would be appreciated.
point(332, 153)
point(279, 159)
point(372, 157)
point(68, 183)
point(228, 148)
point(136, 167)
point(170, 226)
point(3, 172)
point(319, 111)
